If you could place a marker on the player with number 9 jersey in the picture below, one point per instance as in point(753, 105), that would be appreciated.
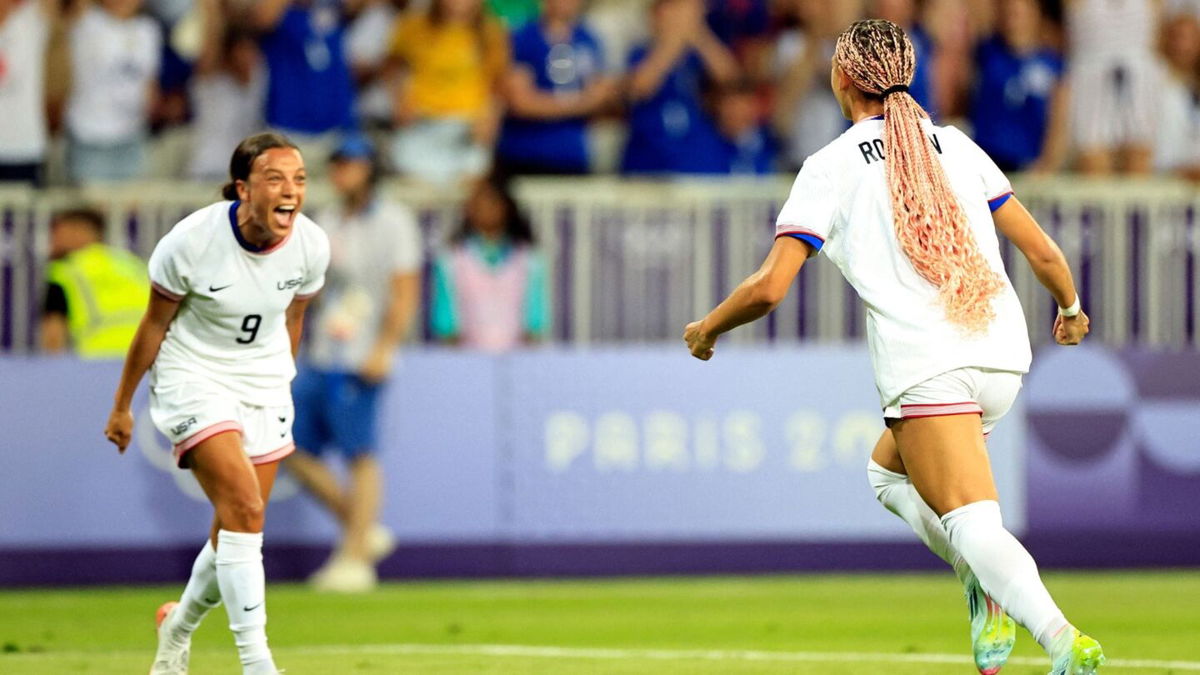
point(231, 284)
point(230, 327)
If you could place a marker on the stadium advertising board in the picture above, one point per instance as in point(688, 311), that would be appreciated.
point(547, 445)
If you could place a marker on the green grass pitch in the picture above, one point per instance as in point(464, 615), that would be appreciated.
point(910, 624)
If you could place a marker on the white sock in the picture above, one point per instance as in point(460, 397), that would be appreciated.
point(243, 587)
point(201, 594)
point(1005, 569)
point(897, 493)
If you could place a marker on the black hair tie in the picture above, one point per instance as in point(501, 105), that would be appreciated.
point(894, 89)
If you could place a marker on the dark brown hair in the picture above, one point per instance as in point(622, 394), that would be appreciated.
point(84, 214)
point(516, 225)
point(247, 151)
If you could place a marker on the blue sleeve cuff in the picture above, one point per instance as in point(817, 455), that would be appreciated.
point(815, 242)
point(996, 202)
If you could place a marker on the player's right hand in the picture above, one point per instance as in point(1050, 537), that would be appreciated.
point(119, 429)
point(699, 343)
point(1070, 330)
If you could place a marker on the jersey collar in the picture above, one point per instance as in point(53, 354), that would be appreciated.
point(247, 246)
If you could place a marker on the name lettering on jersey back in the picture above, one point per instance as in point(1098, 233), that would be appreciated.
point(872, 151)
point(290, 283)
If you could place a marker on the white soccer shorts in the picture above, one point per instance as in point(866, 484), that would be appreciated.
point(190, 412)
point(988, 393)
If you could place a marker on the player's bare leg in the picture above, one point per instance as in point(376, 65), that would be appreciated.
point(232, 485)
point(948, 464)
point(993, 632)
point(176, 621)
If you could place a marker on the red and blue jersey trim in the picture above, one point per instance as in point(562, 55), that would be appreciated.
point(802, 233)
point(998, 201)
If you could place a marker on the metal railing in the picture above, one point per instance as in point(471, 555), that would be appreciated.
point(634, 261)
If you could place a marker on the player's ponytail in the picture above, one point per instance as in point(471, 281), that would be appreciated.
point(243, 158)
point(930, 225)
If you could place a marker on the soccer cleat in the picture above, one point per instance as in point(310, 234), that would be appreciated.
point(170, 659)
point(1083, 658)
point(993, 632)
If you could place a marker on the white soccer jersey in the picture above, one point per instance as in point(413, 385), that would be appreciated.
point(231, 327)
point(840, 204)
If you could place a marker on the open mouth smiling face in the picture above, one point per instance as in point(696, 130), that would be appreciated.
point(275, 192)
point(284, 216)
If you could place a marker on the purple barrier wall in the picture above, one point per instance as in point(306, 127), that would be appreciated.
point(1114, 441)
point(633, 460)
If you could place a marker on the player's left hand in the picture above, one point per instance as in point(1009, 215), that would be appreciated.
point(378, 366)
point(1071, 330)
point(699, 343)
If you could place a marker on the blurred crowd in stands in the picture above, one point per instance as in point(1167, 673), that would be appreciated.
point(110, 90)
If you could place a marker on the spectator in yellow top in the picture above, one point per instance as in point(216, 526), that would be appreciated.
point(95, 293)
point(450, 57)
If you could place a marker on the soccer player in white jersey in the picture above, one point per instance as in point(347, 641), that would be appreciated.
point(230, 286)
point(901, 206)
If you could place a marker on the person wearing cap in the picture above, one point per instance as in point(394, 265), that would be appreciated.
point(370, 298)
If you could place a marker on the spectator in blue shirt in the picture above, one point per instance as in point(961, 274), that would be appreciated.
point(744, 26)
point(669, 129)
point(556, 82)
point(310, 89)
point(1019, 104)
point(748, 147)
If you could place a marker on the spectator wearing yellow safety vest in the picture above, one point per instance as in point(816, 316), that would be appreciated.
point(95, 293)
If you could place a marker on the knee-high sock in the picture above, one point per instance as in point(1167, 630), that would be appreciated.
point(201, 594)
point(1004, 568)
point(896, 492)
point(243, 588)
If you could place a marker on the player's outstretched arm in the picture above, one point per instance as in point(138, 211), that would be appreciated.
point(142, 352)
point(753, 299)
point(1049, 266)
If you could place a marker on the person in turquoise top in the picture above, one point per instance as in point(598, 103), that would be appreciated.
point(489, 288)
point(514, 13)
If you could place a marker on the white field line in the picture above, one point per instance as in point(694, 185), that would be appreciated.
point(600, 653)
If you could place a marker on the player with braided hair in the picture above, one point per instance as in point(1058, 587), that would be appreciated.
point(908, 211)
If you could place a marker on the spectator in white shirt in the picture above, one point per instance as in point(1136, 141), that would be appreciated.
point(1177, 136)
point(24, 32)
point(115, 60)
point(228, 92)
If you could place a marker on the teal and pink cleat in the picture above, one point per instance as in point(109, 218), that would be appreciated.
point(993, 632)
point(1084, 657)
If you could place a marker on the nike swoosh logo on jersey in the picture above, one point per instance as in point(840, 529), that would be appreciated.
point(214, 289)
point(250, 608)
point(282, 419)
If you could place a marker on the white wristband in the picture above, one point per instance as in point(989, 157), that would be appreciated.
point(1071, 311)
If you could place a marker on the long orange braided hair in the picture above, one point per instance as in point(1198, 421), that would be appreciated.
point(931, 227)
